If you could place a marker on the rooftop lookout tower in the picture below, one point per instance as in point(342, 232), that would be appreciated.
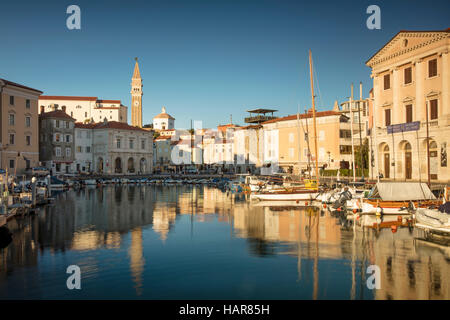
point(258, 116)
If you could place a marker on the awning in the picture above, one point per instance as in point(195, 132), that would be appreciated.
point(401, 191)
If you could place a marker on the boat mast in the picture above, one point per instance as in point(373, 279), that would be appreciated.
point(307, 142)
point(428, 148)
point(314, 117)
point(351, 130)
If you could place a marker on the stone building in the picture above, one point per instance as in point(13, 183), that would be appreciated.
point(56, 140)
point(118, 148)
point(411, 88)
point(19, 142)
point(163, 121)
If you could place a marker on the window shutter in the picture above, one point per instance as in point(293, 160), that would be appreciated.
point(433, 109)
point(387, 113)
point(432, 68)
point(409, 117)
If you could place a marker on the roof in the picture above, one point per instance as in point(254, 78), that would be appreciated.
point(68, 98)
point(163, 138)
point(252, 126)
point(109, 101)
point(117, 125)
point(136, 73)
point(84, 125)
point(10, 83)
point(404, 31)
point(261, 110)
point(164, 116)
point(401, 191)
point(304, 116)
point(56, 114)
point(108, 125)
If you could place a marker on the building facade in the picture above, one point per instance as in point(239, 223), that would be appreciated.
point(118, 148)
point(56, 141)
point(411, 91)
point(86, 109)
point(289, 142)
point(19, 127)
point(83, 148)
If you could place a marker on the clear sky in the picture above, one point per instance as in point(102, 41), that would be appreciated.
point(204, 60)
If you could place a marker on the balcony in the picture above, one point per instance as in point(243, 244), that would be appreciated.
point(258, 119)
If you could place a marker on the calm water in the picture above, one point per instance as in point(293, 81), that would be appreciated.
point(183, 242)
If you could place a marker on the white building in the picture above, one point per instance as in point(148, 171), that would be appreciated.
point(83, 147)
point(86, 109)
point(112, 147)
point(163, 121)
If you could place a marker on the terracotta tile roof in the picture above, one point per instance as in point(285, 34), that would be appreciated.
point(56, 114)
point(10, 83)
point(85, 125)
point(117, 125)
point(109, 101)
point(304, 116)
point(68, 98)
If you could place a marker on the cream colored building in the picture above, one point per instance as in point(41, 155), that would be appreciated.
point(163, 121)
point(19, 132)
point(86, 109)
point(410, 75)
point(286, 141)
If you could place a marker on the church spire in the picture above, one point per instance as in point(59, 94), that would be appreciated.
point(136, 73)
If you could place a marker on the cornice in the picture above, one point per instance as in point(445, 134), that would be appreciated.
point(435, 37)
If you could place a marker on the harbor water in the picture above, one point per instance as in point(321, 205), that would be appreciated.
point(191, 242)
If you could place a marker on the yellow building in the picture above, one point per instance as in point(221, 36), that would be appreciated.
point(410, 76)
point(19, 144)
point(290, 141)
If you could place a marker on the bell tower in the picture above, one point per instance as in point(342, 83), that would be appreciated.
point(136, 97)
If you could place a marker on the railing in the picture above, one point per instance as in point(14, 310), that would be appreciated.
point(257, 119)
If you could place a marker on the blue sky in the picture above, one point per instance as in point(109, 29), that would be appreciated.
point(204, 60)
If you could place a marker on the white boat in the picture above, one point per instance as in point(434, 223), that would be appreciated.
point(90, 182)
point(304, 195)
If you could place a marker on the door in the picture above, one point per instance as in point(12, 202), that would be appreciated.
point(386, 165)
point(408, 165)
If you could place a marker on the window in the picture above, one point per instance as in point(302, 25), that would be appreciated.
point(88, 149)
point(58, 151)
point(28, 121)
point(387, 81)
point(11, 119)
point(78, 149)
point(68, 152)
point(67, 138)
point(11, 164)
point(11, 100)
point(27, 163)
point(387, 117)
point(85, 114)
point(409, 116)
point(57, 137)
point(345, 134)
point(131, 143)
point(57, 123)
point(345, 149)
point(291, 137)
point(408, 75)
point(180, 153)
point(11, 138)
point(27, 103)
point(433, 109)
point(28, 140)
point(432, 68)
point(142, 144)
point(118, 143)
point(67, 124)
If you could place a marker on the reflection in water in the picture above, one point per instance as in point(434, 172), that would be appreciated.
point(201, 243)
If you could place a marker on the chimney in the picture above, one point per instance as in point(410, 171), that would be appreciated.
point(63, 108)
point(336, 106)
point(54, 107)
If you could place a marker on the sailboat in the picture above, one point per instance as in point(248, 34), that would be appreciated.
point(311, 189)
